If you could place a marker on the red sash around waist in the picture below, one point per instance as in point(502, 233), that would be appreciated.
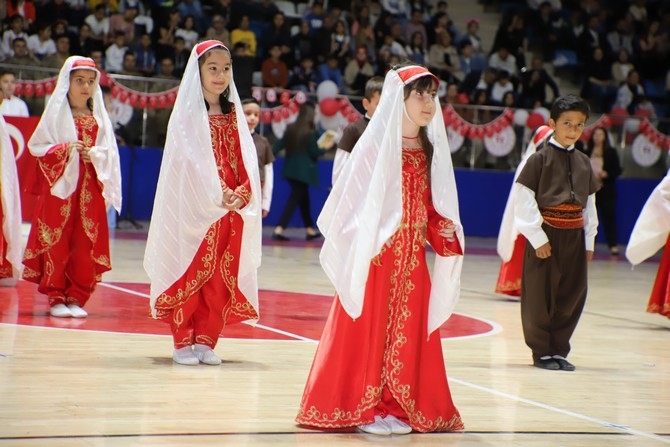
point(565, 216)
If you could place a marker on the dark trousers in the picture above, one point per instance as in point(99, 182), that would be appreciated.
point(299, 196)
point(607, 217)
point(553, 292)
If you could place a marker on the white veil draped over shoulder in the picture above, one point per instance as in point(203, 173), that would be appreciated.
point(364, 208)
point(652, 226)
point(57, 126)
point(11, 202)
point(189, 197)
point(508, 232)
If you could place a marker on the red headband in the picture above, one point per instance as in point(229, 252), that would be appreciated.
point(414, 72)
point(541, 133)
point(85, 64)
point(202, 47)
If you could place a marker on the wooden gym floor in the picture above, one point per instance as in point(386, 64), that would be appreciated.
point(109, 380)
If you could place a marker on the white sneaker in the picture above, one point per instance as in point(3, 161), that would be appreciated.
point(397, 426)
point(378, 427)
point(185, 356)
point(60, 311)
point(205, 354)
point(76, 311)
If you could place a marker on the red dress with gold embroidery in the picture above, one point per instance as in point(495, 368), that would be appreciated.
point(207, 296)
point(383, 362)
point(68, 246)
point(509, 278)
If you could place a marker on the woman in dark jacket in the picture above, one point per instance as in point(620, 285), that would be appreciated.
point(300, 170)
point(606, 167)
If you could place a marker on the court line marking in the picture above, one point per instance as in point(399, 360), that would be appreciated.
point(495, 327)
point(255, 325)
point(573, 414)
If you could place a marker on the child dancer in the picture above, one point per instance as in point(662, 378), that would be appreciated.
point(511, 244)
point(204, 242)
point(10, 212)
point(68, 246)
point(649, 235)
point(379, 364)
point(554, 208)
point(252, 113)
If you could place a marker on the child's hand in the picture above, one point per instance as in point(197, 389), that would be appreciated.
point(589, 256)
point(80, 147)
point(265, 213)
point(448, 232)
point(543, 251)
point(228, 198)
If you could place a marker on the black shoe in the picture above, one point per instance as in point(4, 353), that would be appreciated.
point(279, 237)
point(311, 237)
point(564, 365)
point(551, 364)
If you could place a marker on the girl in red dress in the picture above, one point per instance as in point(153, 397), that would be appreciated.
point(379, 365)
point(68, 246)
point(204, 243)
point(652, 232)
point(10, 212)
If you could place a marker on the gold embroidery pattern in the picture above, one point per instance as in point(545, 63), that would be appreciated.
point(52, 171)
point(243, 192)
point(165, 303)
point(223, 130)
point(340, 418)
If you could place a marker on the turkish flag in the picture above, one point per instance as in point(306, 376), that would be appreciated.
point(31, 179)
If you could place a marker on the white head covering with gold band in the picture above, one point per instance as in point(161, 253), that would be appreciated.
point(652, 226)
point(364, 209)
point(11, 202)
point(189, 197)
point(57, 126)
point(508, 232)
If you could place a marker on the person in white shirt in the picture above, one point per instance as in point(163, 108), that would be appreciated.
point(11, 105)
point(115, 52)
point(99, 23)
point(15, 30)
point(41, 44)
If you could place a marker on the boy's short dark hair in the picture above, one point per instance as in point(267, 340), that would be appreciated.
point(250, 101)
point(7, 71)
point(374, 85)
point(568, 103)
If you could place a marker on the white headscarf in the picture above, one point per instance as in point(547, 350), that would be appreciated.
point(364, 209)
point(189, 197)
point(11, 201)
point(57, 126)
point(652, 226)
point(508, 232)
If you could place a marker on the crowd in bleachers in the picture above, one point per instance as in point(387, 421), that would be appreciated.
point(617, 50)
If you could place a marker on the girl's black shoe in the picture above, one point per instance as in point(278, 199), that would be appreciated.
point(279, 237)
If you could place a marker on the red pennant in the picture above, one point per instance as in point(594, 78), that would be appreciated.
point(39, 89)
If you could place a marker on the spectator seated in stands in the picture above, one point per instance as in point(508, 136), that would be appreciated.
point(329, 71)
